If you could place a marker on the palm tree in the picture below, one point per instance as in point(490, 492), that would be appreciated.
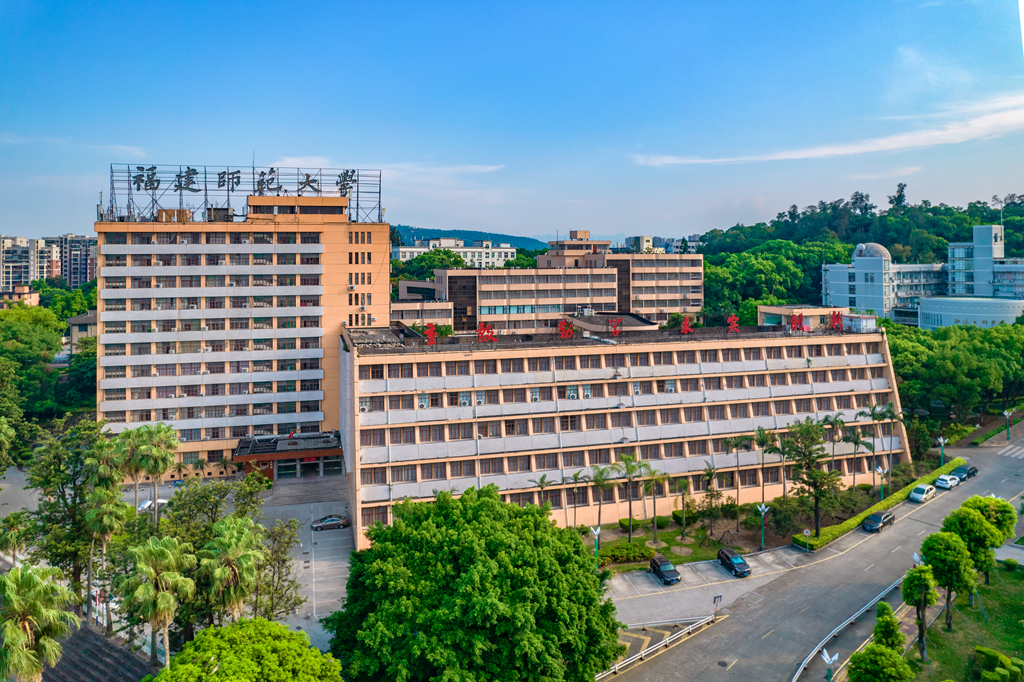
point(158, 583)
point(230, 561)
point(836, 423)
point(7, 437)
point(858, 442)
point(200, 467)
point(104, 464)
point(106, 517)
point(682, 485)
point(156, 454)
point(630, 469)
point(879, 414)
point(763, 438)
point(576, 479)
point(602, 478)
point(709, 476)
point(14, 534)
point(731, 444)
point(653, 484)
point(33, 620)
point(543, 483)
point(180, 468)
point(787, 450)
point(127, 446)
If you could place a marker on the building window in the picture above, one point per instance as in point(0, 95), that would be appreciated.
point(433, 471)
point(374, 515)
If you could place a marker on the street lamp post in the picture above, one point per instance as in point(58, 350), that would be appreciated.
point(881, 475)
point(597, 533)
point(763, 508)
point(1007, 414)
point(942, 450)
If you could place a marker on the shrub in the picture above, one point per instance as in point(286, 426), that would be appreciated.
point(986, 658)
point(1003, 674)
point(1010, 564)
point(624, 553)
point(638, 524)
point(1019, 665)
point(864, 487)
point(729, 510)
point(989, 676)
point(830, 533)
point(664, 521)
point(1014, 673)
point(677, 516)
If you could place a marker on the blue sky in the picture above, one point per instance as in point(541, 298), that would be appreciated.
point(524, 118)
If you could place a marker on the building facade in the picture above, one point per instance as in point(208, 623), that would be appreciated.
point(225, 326)
point(480, 254)
point(77, 257)
point(417, 418)
point(22, 261)
point(80, 327)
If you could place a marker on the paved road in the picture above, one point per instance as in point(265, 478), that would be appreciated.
point(775, 620)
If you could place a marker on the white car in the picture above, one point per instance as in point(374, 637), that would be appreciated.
point(922, 493)
point(947, 482)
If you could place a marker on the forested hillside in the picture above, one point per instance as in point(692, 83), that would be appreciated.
point(409, 234)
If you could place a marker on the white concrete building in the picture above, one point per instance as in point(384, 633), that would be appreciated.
point(481, 254)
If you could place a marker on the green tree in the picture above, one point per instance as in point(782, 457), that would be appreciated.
point(422, 267)
point(230, 561)
point(887, 628)
point(630, 470)
point(194, 509)
point(33, 620)
point(735, 444)
point(577, 479)
point(810, 474)
point(919, 590)
point(878, 663)
point(128, 446)
point(251, 650)
point(654, 485)
point(276, 592)
point(80, 389)
point(470, 588)
point(709, 508)
point(951, 565)
point(159, 443)
point(104, 465)
point(980, 536)
point(996, 511)
point(603, 479)
point(858, 442)
point(248, 502)
point(15, 533)
point(159, 583)
point(30, 336)
point(106, 517)
point(787, 450)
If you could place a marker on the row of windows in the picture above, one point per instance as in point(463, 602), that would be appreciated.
point(665, 276)
point(214, 411)
point(196, 368)
point(211, 238)
point(612, 360)
point(305, 210)
point(637, 291)
point(360, 258)
point(197, 259)
point(210, 303)
point(178, 347)
point(200, 390)
point(494, 466)
point(360, 237)
point(597, 421)
point(596, 278)
point(167, 326)
point(544, 293)
point(360, 299)
point(196, 281)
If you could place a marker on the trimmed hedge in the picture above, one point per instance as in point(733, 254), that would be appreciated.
point(831, 533)
point(638, 524)
point(1010, 564)
point(624, 554)
point(677, 516)
point(664, 521)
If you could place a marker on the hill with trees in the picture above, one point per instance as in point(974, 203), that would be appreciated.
point(409, 234)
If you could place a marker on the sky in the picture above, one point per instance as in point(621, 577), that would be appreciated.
point(524, 118)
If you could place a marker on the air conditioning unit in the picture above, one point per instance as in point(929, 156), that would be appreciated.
point(245, 305)
point(203, 371)
point(245, 241)
point(464, 403)
point(245, 391)
point(204, 328)
point(156, 374)
point(479, 402)
point(152, 330)
point(362, 409)
point(201, 394)
point(208, 349)
point(245, 370)
point(373, 319)
point(170, 352)
point(159, 286)
point(535, 399)
point(184, 241)
point(193, 306)
point(574, 397)
point(670, 389)
point(423, 406)
point(636, 392)
point(231, 284)
point(157, 264)
point(351, 287)
point(362, 307)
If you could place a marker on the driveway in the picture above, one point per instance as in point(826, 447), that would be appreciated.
point(781, 612)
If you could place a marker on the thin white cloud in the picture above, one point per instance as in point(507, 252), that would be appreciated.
point(443, 183)
point(1004, 119)
point(302, 162)
point(122, 150)
point(894, 173)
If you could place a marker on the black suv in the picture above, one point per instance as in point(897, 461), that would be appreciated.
point(877, 521)
point(965, 472)
point(663, 569)
point(733, 562)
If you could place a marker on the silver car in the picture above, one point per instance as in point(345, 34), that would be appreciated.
point(922, 493)
point(332, 521)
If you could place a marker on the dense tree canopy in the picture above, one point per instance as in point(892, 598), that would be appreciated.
point(422, 266)
point(251, 650)
point(62, 300)
point(474, 589)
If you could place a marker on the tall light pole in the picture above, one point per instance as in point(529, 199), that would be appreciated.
point(1007, 414)
point(763, 508)
point(597, 532)
point(942, 450)
point(882, 476)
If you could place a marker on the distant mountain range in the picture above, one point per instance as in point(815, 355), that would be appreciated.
point(410, 234)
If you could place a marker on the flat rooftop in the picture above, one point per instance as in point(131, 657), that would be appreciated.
point(299, 442)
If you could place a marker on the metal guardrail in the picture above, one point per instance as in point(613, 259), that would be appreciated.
point(848, 621)
point(655, 623)
point(689, 630)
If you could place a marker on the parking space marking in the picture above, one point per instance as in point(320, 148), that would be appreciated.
point(869, 568)
point(922, 532)
point(894, 551)
point(768, 633)
point(731, 665)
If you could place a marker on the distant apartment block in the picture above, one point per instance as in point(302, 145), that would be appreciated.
point(77, 257)
point(480, 254)
point(26, 260)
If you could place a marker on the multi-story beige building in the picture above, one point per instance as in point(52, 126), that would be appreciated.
point(416, 418)
point(77, 256)
point(225, 326)
point(23, 261)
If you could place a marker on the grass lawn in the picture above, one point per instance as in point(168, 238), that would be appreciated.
point(952, 653)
